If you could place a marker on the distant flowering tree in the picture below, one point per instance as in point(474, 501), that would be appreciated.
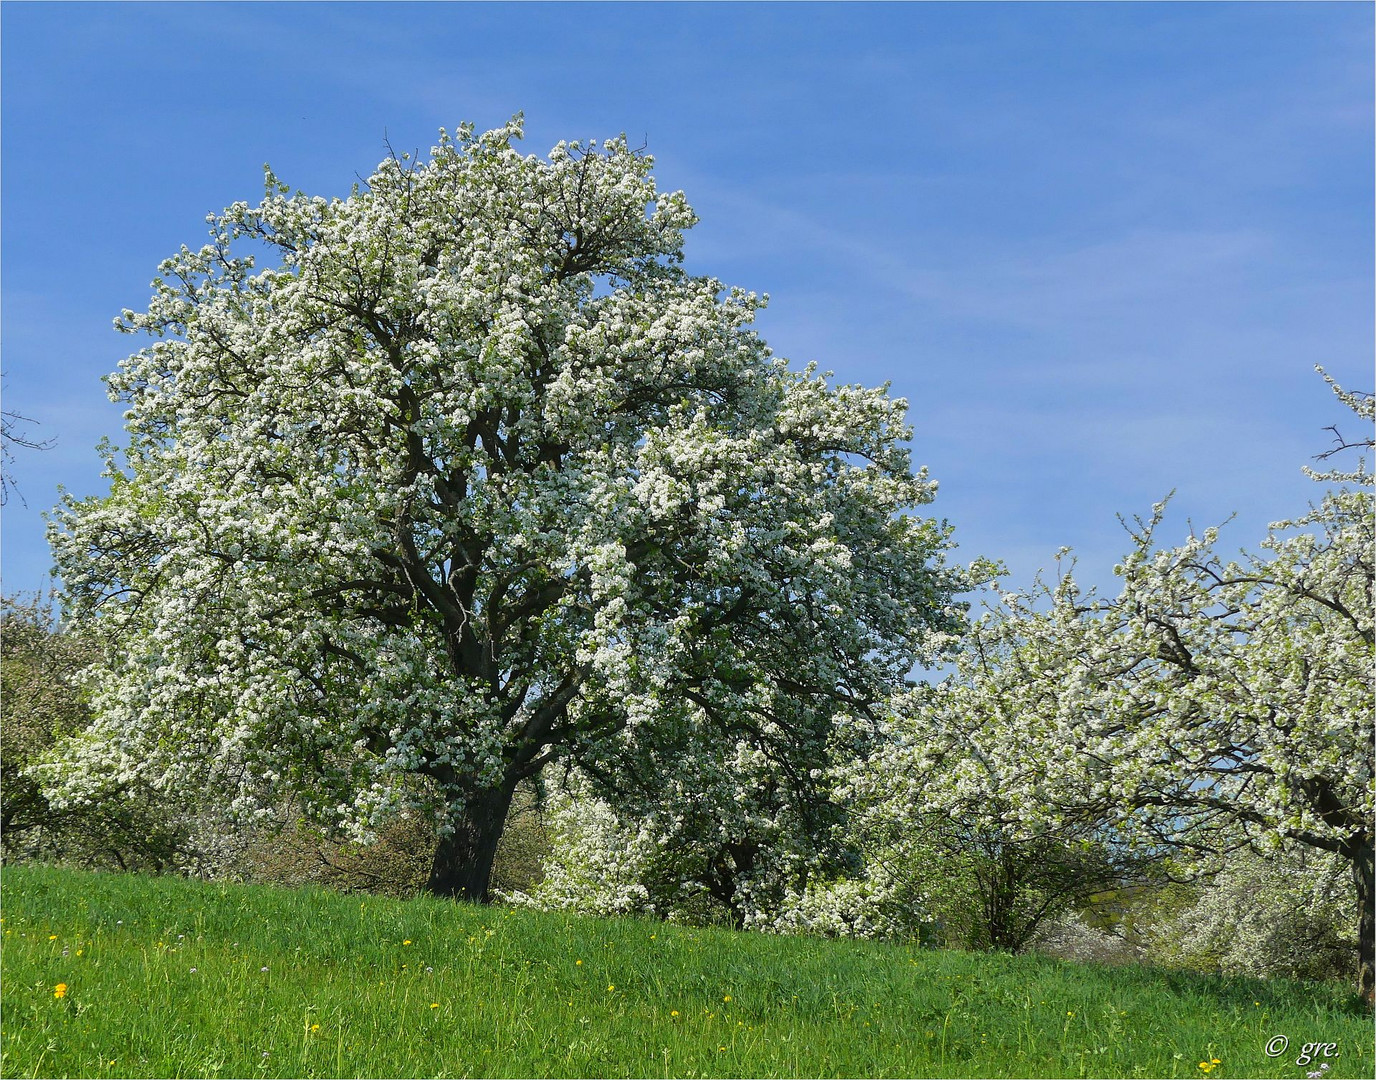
point(1211, 705)
point(470, 476)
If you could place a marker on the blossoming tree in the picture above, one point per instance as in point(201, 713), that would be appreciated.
point(1211, 705)
point(429, 486)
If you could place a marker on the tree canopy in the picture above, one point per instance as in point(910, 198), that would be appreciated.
point(1213, 705)
point(432, 485)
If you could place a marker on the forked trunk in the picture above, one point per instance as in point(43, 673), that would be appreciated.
point(463, 859)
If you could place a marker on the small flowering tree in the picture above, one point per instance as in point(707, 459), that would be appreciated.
point(725, 836)
point(1293, 917)
point(1211, 705)
point(963, 870)
point(467, 477)
point(718, 853)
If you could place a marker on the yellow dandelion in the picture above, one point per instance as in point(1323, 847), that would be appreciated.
point(434, 1004)
point(673, 1012)
point(315, 1027)
point(407, 941)
point(78, 952)
point(60, 990)
point(611, 987)
point(727, 998)
point(721, 1048)
point(578, 963)
point(52, 937)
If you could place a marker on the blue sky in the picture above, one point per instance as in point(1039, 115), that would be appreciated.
point(1098, 247)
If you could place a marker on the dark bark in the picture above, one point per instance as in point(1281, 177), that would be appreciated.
point(732, 863)
point(1363, 855)
point(463, 859)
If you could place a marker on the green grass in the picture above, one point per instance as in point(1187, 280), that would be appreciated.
point(167, 977)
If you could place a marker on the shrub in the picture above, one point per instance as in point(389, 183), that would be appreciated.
point(1292, 917)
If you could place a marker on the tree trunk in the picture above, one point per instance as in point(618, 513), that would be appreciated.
point(1363, 858)
point(725, 872)
point(1000, 900)
point(463, 859)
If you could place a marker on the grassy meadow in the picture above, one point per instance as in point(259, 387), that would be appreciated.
point(115, 975)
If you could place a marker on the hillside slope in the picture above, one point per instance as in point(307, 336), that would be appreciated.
point(113, 975)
